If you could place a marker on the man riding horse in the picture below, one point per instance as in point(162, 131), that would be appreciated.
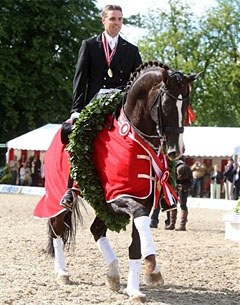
point(105, 62)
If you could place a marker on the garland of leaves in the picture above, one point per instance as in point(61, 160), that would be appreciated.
point(80, 148)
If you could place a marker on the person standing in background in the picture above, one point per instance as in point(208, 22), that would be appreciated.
point(36, 170)
point(236, 179)
point(25, 175)
point(228, 179)
point(13, 166)
point(184, 182)
point(198, 171)
point(216, 181)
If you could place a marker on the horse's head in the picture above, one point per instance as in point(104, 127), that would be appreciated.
point(157, 103)
point(171, 111)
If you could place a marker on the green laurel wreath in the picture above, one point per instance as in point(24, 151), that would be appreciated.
point(86, 128)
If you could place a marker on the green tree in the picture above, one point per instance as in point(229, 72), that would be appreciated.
point(39, 42)
point(219, 49)
point(211, 45)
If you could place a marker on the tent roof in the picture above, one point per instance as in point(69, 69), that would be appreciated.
point(199, 141)
point(211, 141)
point(38, 139)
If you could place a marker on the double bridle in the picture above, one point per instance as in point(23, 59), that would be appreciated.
point(159, 124)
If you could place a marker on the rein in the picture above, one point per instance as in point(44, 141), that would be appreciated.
point(160, 129)
point(141, 133)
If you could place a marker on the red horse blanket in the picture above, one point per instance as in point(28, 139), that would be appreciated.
point(124, 164)
point(56, 170)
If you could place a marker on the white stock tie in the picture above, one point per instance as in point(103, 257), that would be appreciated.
point(112, 44)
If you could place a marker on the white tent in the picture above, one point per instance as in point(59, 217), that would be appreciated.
point(211, 141)
point(237, 150)
point(199, 141)
point(38, 139)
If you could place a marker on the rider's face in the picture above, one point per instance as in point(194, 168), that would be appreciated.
point(113, 22)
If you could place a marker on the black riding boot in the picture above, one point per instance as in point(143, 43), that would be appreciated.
point(69, 198)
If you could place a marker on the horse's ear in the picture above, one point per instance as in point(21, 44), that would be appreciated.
point(194, 77)
point(165, 76)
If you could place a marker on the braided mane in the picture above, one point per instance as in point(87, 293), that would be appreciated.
point(143, 67)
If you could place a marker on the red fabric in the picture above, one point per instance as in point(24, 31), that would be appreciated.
point(11, 154)
point(123, 162)
point(118, 165)
point(56, 169)
point(190, 116)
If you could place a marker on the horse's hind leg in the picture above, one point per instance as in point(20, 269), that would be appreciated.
point(56, 228)
point(99, 229)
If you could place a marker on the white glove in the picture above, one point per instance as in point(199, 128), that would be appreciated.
point(74, 116)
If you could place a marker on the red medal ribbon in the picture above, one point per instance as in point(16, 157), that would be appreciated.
point(108, 55)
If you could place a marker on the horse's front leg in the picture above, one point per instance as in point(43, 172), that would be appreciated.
point(99, 229)
point(142, 246)
point(152, 274)
point(134, 268)
point(56, 228)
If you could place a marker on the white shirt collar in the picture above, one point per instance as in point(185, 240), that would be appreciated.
point(112, 41)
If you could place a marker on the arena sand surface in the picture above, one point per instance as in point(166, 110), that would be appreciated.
point(199, 266)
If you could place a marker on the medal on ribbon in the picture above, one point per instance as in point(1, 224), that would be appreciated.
point(108, 55)
point(109, 72)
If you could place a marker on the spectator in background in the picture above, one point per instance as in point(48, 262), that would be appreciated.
point(184, 182)
point(206, 178)
point(21, 161)
point(25, 175)
point(216, 182)
point(36, 170)
point(13, 166)
point(228, 179)
point(198, 171)
point(236, 179)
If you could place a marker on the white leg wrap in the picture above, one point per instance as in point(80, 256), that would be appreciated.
point(142, 224)
point(59, 263)
point(134, 270)
point(113, 269)
point(107, 252)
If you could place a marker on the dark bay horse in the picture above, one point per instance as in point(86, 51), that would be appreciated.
point(132, 171)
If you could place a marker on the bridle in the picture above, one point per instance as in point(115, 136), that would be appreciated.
point(160, 130)
point(159, 124)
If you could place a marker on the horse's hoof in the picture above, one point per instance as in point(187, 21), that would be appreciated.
point(64, 279)
point(113, 278)
point(154, 278)
point(135, 296)
point(113, 282)
point(138, 298)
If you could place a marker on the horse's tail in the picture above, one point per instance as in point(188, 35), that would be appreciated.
point(68, 221)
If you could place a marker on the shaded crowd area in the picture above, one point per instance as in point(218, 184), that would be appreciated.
point(24, 171)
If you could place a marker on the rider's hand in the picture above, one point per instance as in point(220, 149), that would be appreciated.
point(74, 116)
